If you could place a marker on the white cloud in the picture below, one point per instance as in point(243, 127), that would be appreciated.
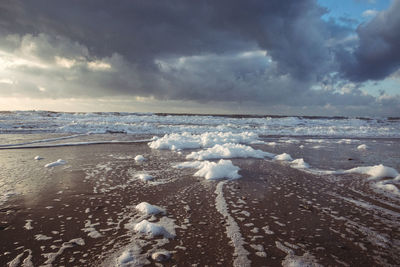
point(370, 13)
point(12, 61)
point(99, 65)
point(348, 88)
point(65, 62)
point(6, 81)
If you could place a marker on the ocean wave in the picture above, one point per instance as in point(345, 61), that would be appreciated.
point(25, 122)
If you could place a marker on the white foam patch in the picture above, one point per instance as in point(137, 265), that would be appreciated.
point(149, 209)
point(28, 225)
point(212, 170)
point(161, 256)
point(127, 258)
point(144, 234)
point(162, 228)
point(140, 158)
point(89, 228)
point(388, 187)
point(228, 150)
point(56, 163)
point(187, 140)
point(283, 157)
point(375, 172)
point(41, 237)
point(132, 257)
point(218, 170)
point(70, 244)
point(362, 147)
point(232, 229)
point(292, 260)
point(38, 157)
point(27, 262)
point(299, 164)
point(306, 260)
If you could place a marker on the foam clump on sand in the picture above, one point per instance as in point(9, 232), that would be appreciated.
point(190, 141)
point(140, 158)
point(388, 186)
point(228, 150)
point(375, 172)
point(127, 258)
point(283, 157)
point(56, 163)
point(218, 170)
point(292, 260)
point(38, 157)
point(131, 256)
point(362, 147)
point(307, 260)
point(144, 176)
point(149, 209)
point(378, 172)
point(161, 256)
point(212, 170)
point(28, 225)
point(154, 229)
point(299, 164)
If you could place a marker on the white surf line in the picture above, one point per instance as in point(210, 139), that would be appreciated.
point(45, 140)
point(232, 229)
point(79, 144)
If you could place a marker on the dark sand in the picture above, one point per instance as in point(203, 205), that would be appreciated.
point(281, 212)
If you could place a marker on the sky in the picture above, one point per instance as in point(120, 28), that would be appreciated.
point(284, 57)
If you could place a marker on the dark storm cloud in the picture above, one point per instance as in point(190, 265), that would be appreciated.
point(267, 52)
point(378, 54)
point(139, 30)
point(143, 32)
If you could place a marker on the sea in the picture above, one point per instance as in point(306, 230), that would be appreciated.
point(37, 122)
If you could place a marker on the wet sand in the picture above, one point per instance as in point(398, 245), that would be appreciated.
point(283, 214)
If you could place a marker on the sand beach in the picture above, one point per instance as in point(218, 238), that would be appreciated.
point(84, 211)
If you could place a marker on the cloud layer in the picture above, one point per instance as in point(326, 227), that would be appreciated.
point(377, 54)
point(256, 53)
